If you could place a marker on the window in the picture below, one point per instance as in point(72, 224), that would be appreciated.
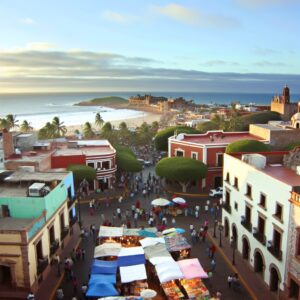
point(248, 214)
point(262, 201)
point(219, 161)
point(194, 155)
point(261, 225)
point(179, 153)
point(91, 164)
point(227, 179)
point(227, 198)
point(249, 191)
point(105, 165)
point(236, 183)
point(235, 206)
point(276, 239)
point(278, 211)
point(298, 244)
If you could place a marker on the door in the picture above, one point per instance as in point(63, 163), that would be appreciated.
point(5, 276)
point(218, 181)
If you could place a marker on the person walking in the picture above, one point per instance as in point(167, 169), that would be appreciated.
point(213, 265)
point(229, 280)
point(82, 254)
point(74, 284)
point(30, 296)
point(194, 237)
point(212, 251)
point(59, 293)
point(57, 259)
point(84, 288)
point(119, 213)
point(173, 222)
point(135, 219)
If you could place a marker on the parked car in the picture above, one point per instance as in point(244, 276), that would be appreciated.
point(218, 192)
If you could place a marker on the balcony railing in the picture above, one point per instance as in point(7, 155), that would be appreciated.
point(54, 246)
point(247, 225)
point(64, 233)
point(295, 198)
point(260, 237)
point(42, 265)
point(227, 207)
point(275, 252)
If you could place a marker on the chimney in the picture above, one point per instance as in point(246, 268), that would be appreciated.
point(8, 145)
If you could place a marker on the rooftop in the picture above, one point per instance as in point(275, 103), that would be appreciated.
point(19, 176)
point(14, 223)
point(87, 151)
point(217, 137)
point(275, 126)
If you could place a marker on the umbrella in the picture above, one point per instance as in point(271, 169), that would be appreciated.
point(170, 230)
point(179, 200)
point(148, 293)
point(160, 202)
point(180, 230)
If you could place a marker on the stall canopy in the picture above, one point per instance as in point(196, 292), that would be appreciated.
point(131, 232)
point(176, 243)
point(146, 242)
point(106, 231)
point(133, 273)
point(160, 202)
point(107, 249)
point(147, 233)
point(104, 267)
point(102, 278)
point(131, 256)
point(168, 271)
point(191, 268)
point(101, 290)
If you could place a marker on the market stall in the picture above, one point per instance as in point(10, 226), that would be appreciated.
point(195, 289)
point(107, 249)
point(104, 267)
point(178, 246)
point(131, 256)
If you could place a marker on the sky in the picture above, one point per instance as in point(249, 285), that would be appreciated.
point(139, 45)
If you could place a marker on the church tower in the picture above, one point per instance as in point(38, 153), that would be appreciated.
point(285, 95)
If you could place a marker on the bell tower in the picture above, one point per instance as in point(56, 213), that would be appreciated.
point(285, 99)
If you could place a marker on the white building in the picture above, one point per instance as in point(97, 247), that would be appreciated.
point(257, 212)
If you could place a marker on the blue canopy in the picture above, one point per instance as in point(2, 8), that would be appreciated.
point(102, 278)
point(104, 267)
point(101, 290)
point(146, 233)
point(131, 260)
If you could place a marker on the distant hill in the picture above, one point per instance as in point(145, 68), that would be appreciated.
point(111, 101)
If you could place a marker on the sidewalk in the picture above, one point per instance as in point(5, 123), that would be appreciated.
point(250, 280)
point(48, 287)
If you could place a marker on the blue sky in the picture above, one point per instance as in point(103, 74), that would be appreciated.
point(96, 45)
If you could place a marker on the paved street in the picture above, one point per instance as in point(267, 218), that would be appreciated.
point(218, 282)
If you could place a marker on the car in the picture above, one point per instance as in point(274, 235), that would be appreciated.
point(218, 192)
point(147, 163)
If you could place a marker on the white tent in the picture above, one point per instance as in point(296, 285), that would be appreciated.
point(161, 259)
point(133, 273)
point(107, 249)
point(168, 271)
point(148, 241)
point(106, 231)
point(131, 251)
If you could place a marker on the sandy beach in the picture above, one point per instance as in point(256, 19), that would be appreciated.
point(147, 117)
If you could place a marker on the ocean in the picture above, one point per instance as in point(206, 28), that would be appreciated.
point(41, 108)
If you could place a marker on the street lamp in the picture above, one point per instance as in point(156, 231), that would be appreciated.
point(233, 246)
point(215, 226)
point(220, 227)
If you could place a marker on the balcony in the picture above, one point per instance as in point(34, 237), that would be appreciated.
point(54, 246)
point(260, 237)
point(227, 207)
point(71, 201)
point(64, 233)
point(276, 252)
point(295, 198)
point(42, 265)
point(247, 225)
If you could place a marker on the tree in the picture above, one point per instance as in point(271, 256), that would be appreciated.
point(12, 121)
point(81, 172)
point(154, 127)
point(88, 130)
point(59, 128)
point(161, 138)
point(25, 126)
point(47, 132)
point(292, 146)
point(98, 120)
point(126, 160)
point(181, 169)
point(247, 146)
point(207, 126)
point(4, 124)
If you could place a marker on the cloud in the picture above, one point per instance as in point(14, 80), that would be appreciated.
point(264, 51)
point(77, 70)
point(257, 3)
point(40, 46)
point(265, 63)
point(28, 21)
point(117, 17)
point(219, 62)
point(193, 17)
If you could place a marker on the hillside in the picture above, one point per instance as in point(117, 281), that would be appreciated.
point(111, 101)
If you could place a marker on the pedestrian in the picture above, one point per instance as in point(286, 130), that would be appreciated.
point(191, 228)
point(78, 253)
point(30, 296)
point(83, 254)
point(219, 295)
point(206, 209)
point(205, 225)
point(84, 290)
point(229, 280)
point(67, 268)
point(212, 251)
point(91, 208)
point(135, 219)
point(173, 222)
point(144, 192)
point(128, 224)
point(127, 214)
point(57, 260)
point(137, 204)
point(120, 199)
point(164, 221)
point(119, 213)
point(59, 293)
point(73, 254)
point(102, 218)
point(132, 209)
point(74, 284)
point(196, 214)
point(213, 265)
point(186, 212)
point(194, 237)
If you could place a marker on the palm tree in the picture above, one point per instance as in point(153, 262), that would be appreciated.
point(88, 130)
point(98, 120)
point(4, 124)
point(123, 126)
point(25, 126)
point(12, 121)
point(59, 128)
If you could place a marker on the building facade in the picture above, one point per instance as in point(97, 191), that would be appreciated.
point(257, 212)
point(37, 213)
point(209, 149)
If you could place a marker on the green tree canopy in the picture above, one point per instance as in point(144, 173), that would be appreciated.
point(207, 126)
point(81, 172)
point(126, 160)
point(25, 126)
point(99, 120)
point(247, 146)
point(161, 138)
point(59, 128)
point(291, 146)
point(88, 130)
point(181, 169)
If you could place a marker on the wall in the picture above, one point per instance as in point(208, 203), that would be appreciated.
point(212, 155)
point(188, 149)
point(275, 191)
point(65, 161)
point(263, 133)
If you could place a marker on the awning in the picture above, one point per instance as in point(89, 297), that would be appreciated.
point(104, 267)
point(168, 271)
point(107, 231)
point(176, 243)
point(107, 249)
point(101, 290)
point(131, 232)
point(147, 233)
point(133, 273)
point(131, 256)
point(102, 278)
point(156, 250)
point(191, 268)
point(146, 242)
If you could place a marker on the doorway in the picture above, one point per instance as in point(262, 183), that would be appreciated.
point(294, 290)
point(5, 275)
point(274, 280)
point(246, 249)
point(235, 235)
point(218, 181)
point(226, 225)
point(258, 263)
